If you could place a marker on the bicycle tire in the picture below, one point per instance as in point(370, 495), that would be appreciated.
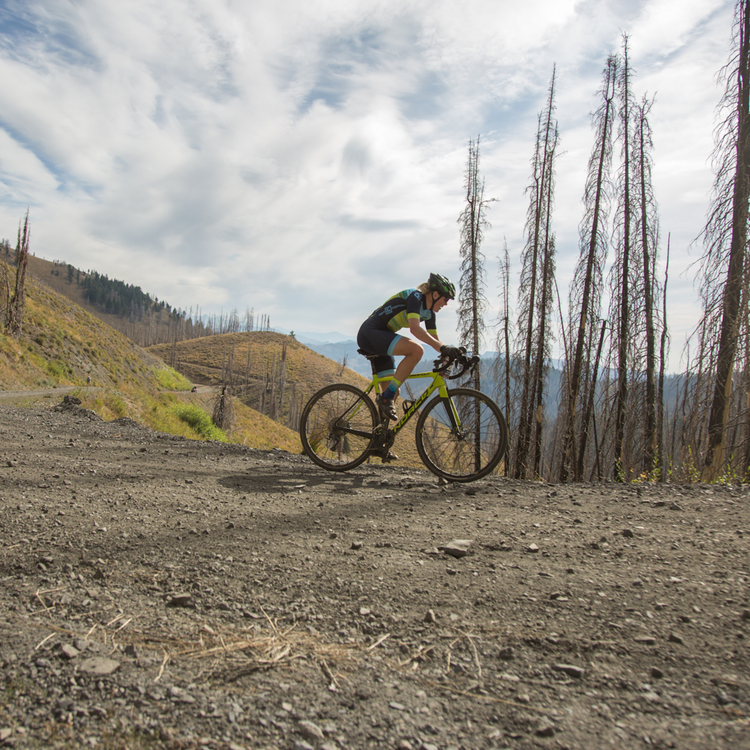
point(470, 454)
point(337, 425)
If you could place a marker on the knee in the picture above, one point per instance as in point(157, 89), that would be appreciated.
point(416, 350)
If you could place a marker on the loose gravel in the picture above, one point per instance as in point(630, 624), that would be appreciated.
point(165, 593)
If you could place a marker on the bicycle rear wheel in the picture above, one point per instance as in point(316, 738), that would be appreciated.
point(465, 444)
point(337, 427)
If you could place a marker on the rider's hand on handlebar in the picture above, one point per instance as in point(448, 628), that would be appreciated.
point(450, 351)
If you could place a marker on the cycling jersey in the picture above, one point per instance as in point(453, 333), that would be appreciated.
point(377, 335)
point(400, 309)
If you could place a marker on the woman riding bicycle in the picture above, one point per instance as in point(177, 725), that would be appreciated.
point(407, 309)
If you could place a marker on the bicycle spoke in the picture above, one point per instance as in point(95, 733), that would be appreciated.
point(336, 427)
point(464, 444)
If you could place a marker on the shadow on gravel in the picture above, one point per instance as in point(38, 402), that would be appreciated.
point(273, 482)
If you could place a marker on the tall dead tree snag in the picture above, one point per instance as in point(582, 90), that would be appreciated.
point(501, 370)
point(663, 349)
point(223, 411)
point(472, 301)
point(621, 269)
point(635, 314)
point(17, 300)
point(536, 295)
point(647, 238)
point(725, 266)
point(586, 290)
point(502, 341)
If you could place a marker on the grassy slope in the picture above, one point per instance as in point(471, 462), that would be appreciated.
point(204, 359)
point(61, 344)
point(55, 276)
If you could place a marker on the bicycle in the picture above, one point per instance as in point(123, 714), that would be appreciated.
point(461, 435)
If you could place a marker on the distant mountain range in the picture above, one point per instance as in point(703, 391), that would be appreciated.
point(332, 337)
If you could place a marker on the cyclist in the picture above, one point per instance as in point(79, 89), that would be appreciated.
point(407, 309)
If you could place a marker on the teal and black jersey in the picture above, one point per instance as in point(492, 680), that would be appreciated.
point(377, 335)
point(399, 309)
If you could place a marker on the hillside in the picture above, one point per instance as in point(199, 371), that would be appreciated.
point(56, 276)
point(125, 307)
point(64, 345)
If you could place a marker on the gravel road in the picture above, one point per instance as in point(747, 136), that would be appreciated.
point(165, 593)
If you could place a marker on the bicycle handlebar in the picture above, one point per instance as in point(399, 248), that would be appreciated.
point(444, 363)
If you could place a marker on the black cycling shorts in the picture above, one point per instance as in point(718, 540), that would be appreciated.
point(374, 340)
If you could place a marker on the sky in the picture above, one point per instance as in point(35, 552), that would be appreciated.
point(306, 160)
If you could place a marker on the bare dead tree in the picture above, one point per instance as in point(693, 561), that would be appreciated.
point(634, 291)
point(502, 340)
point(17, 300)
point(725, 266)
point(663, 353)
point(282, 379)
point(647, 225)
point(472, 301)
point(745, 465)
point(544, 314)
point(223, 411)
point(586, 290)
point(621, 271)
point(535, 297)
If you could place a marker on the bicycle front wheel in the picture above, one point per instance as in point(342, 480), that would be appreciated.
point(462, 437)
point(337, 427)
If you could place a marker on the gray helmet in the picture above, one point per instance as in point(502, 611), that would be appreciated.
point(443, 285)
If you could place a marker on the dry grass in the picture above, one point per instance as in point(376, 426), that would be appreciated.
point(217, 651)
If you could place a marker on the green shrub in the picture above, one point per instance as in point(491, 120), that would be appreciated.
point(59, 369)
point(171, 379)
point(200, 422)
point(116, 405)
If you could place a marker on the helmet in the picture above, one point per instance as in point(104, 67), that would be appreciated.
point(442, 284)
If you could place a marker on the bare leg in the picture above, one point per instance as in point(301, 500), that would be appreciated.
point(411, 352)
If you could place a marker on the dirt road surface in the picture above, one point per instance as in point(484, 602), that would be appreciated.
point(164, 593)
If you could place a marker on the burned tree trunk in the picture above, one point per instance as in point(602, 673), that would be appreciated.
point(17, 302)
point(587, 284)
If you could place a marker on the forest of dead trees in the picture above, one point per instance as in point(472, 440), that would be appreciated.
point(613, 412)
point(610, 412)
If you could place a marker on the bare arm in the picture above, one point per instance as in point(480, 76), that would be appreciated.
point(422, 335)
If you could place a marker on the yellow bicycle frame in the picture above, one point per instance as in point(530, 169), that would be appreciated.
point(438, 384)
